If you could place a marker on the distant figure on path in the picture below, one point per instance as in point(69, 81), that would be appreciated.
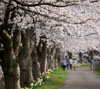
point(68, 64)
point(71, 63)
point(91, 64)
point(64, 64)
point(74, 63)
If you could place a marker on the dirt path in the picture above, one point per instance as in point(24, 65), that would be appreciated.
point(82, 78)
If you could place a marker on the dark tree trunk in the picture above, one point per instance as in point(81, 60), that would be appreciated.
point(35, 65)
point(96, 66)
point(25, 59)
point(11, 71)
point(91, 54)
point(81, 57)
point(70, 55)
point(10, 65)
point(52, 58)
point(42, 54)
point(56, 57)
point(43, 58)
point(48, 58)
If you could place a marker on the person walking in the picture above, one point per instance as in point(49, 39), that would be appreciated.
point(68, 64)
point(91, 64)
point(71, 63)
point(64, 64)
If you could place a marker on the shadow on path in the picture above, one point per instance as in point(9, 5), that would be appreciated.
point(82, 78)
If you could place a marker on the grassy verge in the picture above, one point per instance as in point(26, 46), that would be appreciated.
point(55, 81)
point(97, 73)
point(81, 65)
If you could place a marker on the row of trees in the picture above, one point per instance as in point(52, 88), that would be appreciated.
point(33, 35)
point(24, 53)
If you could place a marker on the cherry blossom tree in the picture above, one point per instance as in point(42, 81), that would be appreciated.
point(31, 31)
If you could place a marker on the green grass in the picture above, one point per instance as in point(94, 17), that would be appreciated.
point(55, 81)
point(97, 73)
point(81, 65)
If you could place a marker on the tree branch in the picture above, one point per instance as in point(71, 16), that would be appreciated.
point(4, 1)
point(94, 1)
point(17, 40)
point(45, 4)
point(37, 13)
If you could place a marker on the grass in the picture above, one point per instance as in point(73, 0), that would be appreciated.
point(55, 81)
point(81, 65)
point(97, 73)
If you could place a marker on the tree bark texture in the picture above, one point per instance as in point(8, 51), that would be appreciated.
point(25, 59)
point(56, 57)
point(35, 65)
point(97, 66)
point(81, 57)
point(10, 64)
point(52, 54)
point(42, 54)
point(11, 71)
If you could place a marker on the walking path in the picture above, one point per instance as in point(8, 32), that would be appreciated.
point(82, 78)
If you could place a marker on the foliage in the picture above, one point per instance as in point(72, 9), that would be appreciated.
point(65, 26)
point(72, 28)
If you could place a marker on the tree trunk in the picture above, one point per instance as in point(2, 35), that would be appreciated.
point(56, 57)
point(26, 70)
point(52, 58)
point(48, 58)
point(25, 60)
point(81, 57)
point(42, 55)
point(10, 65)
point(11, 71)
point(43, 58)
point(35, 65)
point(59, 58)
point(91, 54)
point(52, 61)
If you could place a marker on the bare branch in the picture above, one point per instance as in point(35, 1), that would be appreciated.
point(40, 1)
point(94, 1)
point(45, 4)
point(4, 1)
point(82, 22)
point(37, 13)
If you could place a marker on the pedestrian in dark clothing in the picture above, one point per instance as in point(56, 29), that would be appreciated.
point(68, 63)
point(64, 64)
point(91, 64)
